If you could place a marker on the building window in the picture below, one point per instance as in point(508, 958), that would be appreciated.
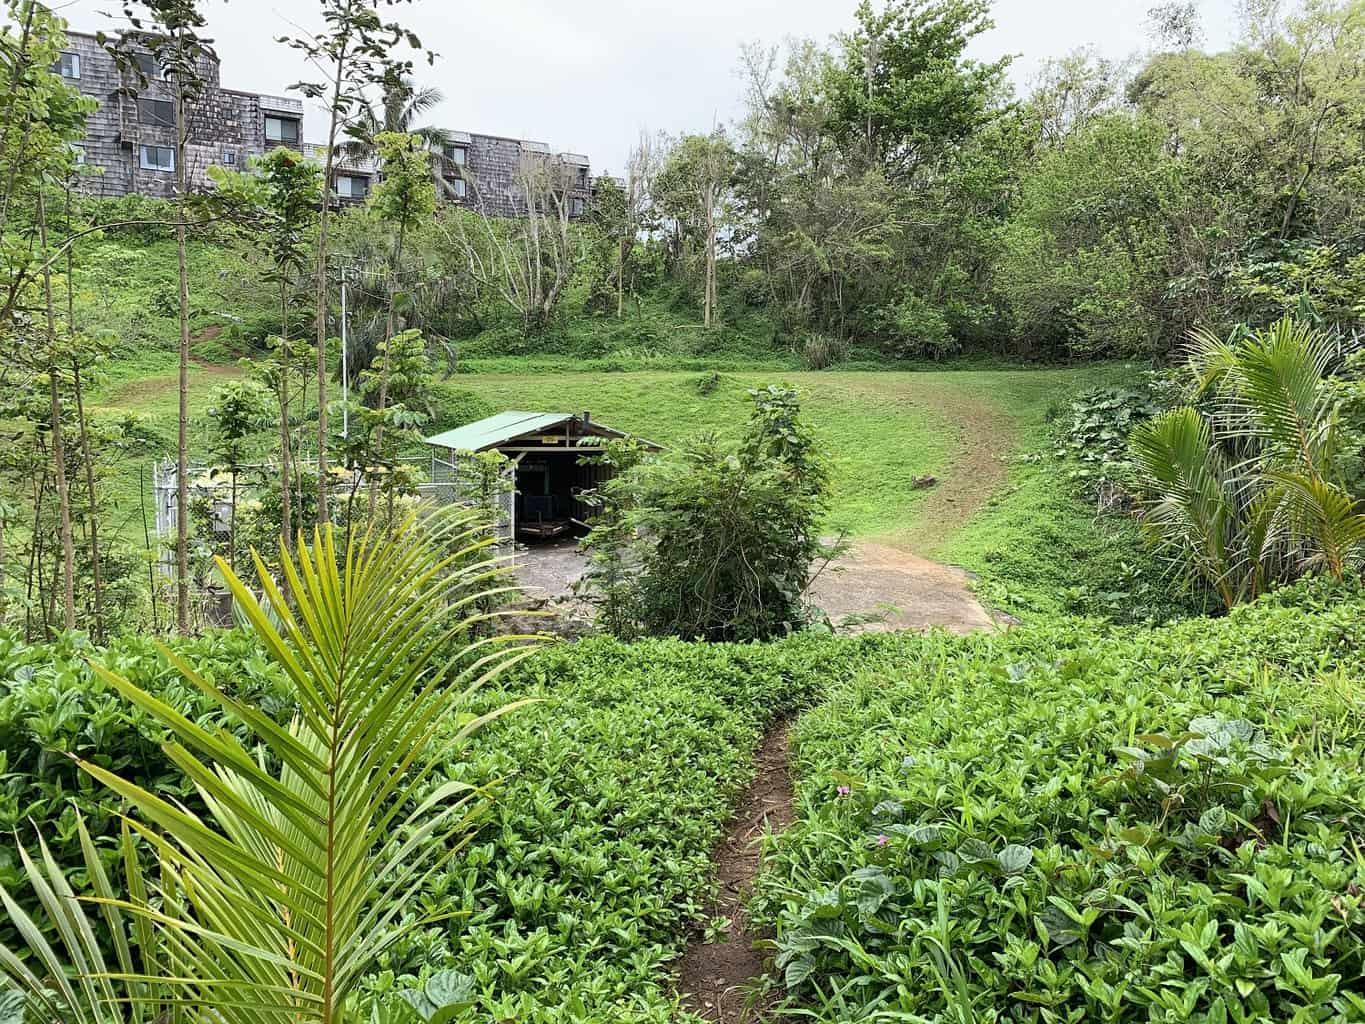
point(150, 69)
point(353, 186)
point(158, 158)
point(156, 113)
point(77, 152)
point(68, 65)
point(281, 129)
point(229, 158)
point(576, 206)
point(457, 155)
point(583, 176)
point(457, 187)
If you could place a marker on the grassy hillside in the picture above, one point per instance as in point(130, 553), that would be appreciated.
point(882, 430)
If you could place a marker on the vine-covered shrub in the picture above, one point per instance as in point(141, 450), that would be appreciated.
point(1062, 823)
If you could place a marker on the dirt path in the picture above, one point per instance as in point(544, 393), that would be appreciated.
point(987, 436)
point(715, 979)
point(879, 585)
point(877, 588)
point(888, 583)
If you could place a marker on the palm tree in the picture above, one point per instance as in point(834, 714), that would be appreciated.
point(400, 106)
point(270, 905)
point(1248, 491)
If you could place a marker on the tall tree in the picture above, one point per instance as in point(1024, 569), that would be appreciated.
point(276, 203)
point(354, 51)
point(402, 200)
point(904, 90)
point(527, 260)
point(693, 188)
point(170, 31)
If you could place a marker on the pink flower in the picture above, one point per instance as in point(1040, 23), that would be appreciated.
point(843, 791)
point(883, 839)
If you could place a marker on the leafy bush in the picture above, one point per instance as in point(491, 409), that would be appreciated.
point(52, 707)
point(598, 857)
point(917, 328)
point(713, 543)
point(1067, 823)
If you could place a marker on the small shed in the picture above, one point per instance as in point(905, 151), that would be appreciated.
point(546, 454)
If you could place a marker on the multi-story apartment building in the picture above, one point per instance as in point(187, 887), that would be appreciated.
point(131, 140)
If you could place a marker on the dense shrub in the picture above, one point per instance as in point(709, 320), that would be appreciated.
point(1061, 823)
point(916, 328)
point(713, 542)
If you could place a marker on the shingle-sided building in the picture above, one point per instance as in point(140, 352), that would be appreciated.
point(131, 139)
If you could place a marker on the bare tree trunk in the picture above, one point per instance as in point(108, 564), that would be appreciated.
point(58, 448)
point(286, 506)
point(709, 299)
point(152, 587)
point(91, 508)
point(384, 367)
point(182, 451)
point(84, 426)
point(320, 293)
point(34, 577)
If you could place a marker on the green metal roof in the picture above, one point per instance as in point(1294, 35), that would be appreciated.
point(496, 430)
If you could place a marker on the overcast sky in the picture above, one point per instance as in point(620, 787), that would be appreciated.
point(588, 76)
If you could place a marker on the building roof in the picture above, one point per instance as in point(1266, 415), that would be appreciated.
point(496, 430)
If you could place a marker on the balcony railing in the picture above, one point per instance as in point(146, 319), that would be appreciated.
point(286, 104)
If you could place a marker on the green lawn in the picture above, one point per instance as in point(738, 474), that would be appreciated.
point(881, 429)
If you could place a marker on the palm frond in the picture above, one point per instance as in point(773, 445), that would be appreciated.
point(1326, 520)
point(1189, 511)
point(64, 977)
point(422, 100)
point(318, 836)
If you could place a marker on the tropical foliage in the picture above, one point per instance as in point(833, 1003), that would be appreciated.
point(1248, 491)
point(275, 899)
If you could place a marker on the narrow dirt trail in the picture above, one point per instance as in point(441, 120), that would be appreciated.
point(715, 978)
point(987, 436)
point(890, 583)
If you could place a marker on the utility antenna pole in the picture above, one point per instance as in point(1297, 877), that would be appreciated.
point(345, 267)
point(345, 363)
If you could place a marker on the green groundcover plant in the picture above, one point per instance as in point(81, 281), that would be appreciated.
point(1002, 771)
point(1064, 823)
point(575, 897)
